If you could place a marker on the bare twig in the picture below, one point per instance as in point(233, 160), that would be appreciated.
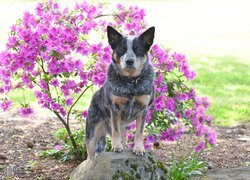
point(114, 15)
point(76, 102)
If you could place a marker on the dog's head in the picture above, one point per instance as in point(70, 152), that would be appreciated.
point(130, 53)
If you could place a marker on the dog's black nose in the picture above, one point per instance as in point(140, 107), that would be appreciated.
point(130, 62)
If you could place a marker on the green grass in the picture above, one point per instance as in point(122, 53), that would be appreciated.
point(226, 82)
point(19, 96)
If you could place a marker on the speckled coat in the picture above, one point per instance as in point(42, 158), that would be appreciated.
point(117, 104)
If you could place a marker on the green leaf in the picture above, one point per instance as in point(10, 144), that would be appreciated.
point(56, 54)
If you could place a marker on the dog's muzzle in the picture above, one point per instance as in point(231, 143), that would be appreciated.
point(130, 63)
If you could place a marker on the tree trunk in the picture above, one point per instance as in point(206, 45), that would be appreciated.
point(76, 151)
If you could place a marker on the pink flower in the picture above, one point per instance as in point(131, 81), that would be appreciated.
point(83, 48)
point(96, 48)
point(147, 145)
point(130, 145)
point(188, 113)
point(169, 65)
point(159, 102)
point(191, 94)
point(183, 97)
point(85, 113)
point(26, 111)
point(69, 101)
point(55, 82)
point(5, 105)
point(200, 130)
point(179, 57)
point(58, 147)
point(151, 139)
point(211, 137)
point(170, 104)
point(131, 126)
point(171, 134)
point(130, 136)
point(43, 84)
point(149, 115)
point(199, 147)
point(159, 79)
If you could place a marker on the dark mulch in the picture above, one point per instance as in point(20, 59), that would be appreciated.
point(232, 149)
point(22, 139)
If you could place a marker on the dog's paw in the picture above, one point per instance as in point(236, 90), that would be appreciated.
point(139, 150)
point(117, 148)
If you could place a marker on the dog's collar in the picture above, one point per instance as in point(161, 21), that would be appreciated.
point(136, 80)
point(133, 79)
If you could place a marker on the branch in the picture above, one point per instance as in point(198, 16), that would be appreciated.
point(37, 84)
point(76, 102)
point(42, 67)
point(58, 99)
point(103, 15)
point(60, 118)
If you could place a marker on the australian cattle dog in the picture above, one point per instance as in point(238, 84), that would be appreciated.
point(126, 95)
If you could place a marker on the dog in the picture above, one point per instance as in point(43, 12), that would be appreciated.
point(126, 95)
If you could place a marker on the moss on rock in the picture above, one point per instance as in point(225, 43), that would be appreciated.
point(122, 166)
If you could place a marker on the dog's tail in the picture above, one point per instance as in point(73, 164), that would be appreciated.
point(100, 145)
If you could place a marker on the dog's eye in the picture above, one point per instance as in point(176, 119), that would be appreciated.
point(122, 49)
point(138, 49)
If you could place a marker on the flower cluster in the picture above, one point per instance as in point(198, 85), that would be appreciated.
point(53, 52)
point(24, 112)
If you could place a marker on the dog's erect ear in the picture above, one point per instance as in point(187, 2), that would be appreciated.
point(114, 37)
point(148, 36)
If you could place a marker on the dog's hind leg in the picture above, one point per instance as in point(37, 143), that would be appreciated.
point(100, 145)
point(95, 133)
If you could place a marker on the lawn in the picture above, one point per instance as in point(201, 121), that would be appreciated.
point(226, 81)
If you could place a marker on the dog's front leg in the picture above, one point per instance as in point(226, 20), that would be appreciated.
point(116, 129)
point(123, 135)
point(140, 123)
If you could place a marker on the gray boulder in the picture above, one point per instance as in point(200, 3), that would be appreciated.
point(125, 165)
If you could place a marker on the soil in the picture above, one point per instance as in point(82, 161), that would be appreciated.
point(22, 140)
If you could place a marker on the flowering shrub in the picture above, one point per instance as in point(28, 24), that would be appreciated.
point(54, 52)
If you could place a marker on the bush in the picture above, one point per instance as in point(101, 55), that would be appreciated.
point(185, 168)
point(66, 151)
point(53, 53)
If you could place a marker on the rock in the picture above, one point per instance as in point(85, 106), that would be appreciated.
point(30, 144)
point(244, 126)
point(244, 139)
point(241, 131)
point(125, 165)
point(229, 131)
point(242, 173)
point(248, 148)
point(3, 157)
